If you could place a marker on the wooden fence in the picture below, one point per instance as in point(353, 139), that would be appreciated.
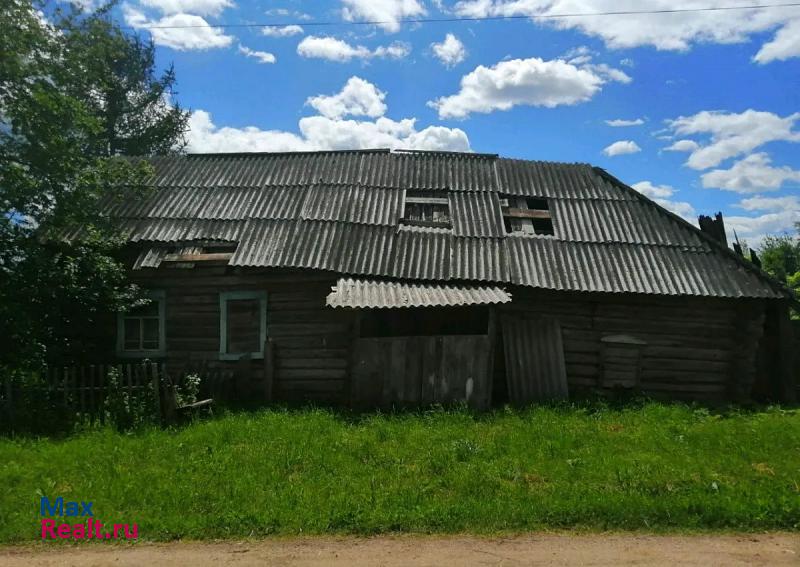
point(83, 390)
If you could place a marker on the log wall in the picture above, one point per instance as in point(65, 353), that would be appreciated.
point(694, 348)
point(311, 342)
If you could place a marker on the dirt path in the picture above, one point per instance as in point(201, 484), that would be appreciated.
point(415, 551)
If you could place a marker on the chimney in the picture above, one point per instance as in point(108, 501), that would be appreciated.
point(715, 228)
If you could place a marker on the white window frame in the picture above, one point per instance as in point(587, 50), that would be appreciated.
point(160, 297)
point(226, 296)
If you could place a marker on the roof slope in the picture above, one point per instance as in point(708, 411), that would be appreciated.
point(340, 211)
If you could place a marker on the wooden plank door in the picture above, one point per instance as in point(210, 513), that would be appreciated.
point(534, 355)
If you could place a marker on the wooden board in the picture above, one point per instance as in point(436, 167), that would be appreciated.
point(410, 371)
point(534, 354)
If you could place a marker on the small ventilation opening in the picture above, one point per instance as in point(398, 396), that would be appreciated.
point(527, 215)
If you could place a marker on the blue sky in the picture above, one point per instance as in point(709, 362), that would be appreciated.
point(721, 89)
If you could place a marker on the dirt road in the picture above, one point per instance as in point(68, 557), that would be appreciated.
point(416, 551)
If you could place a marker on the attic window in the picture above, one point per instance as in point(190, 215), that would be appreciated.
point(187, 256)
point(427, 208)
point(527, 215)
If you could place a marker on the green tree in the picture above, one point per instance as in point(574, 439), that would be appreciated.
point(780, 257)
point(58, 254)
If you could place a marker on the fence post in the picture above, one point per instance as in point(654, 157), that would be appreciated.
point(154, 367)
point(9, 402)
point(269, 369)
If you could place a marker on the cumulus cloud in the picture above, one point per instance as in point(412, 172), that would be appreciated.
point(675, 32)
point(661, 194)
point(387, 12)
point(785, 45)
point(770, 204)
point(198, 7)
point(260, 56)
point(329, 130)
point(340, 51)
point(620, 123)
point(532, 82)
point(732, 134)
point(357, 98)
point(752, 174)
point(282, 31)
point(754, 229)
point(621, 148)
point(450, 51)
point(683, 146)
point(198, 36)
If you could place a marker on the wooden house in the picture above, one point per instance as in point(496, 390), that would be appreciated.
point(383, 277)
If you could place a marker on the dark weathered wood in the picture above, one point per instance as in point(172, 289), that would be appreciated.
point(211, 257)
point(269, 370)
point(525, 213)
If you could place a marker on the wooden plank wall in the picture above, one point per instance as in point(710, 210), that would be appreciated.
point(413, 371)
point(696, 348)
point(311, 341)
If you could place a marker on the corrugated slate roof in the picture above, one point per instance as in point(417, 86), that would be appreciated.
point(340, 211)
point(357, 293)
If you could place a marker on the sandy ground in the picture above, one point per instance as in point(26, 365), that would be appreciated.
point(415, 551)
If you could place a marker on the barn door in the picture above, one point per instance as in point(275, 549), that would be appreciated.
point(534, 356)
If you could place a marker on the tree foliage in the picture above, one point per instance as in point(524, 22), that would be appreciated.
point(73, 96)
point(780, 257)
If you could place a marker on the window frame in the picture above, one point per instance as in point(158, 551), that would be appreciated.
point(424, 197)
point(527, 216)
point(160, 297)
point(224, 297)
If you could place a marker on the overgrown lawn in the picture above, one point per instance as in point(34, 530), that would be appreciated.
point(654, 467)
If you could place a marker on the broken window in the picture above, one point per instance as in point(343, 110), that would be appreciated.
point(527, 215)
point(243, 324)
point(427, 208)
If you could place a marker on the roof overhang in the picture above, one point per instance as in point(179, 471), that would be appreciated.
point(372, 294)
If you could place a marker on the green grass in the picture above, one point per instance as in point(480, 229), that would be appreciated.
point(654, 467)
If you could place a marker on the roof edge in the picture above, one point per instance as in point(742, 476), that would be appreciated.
point(713, 242)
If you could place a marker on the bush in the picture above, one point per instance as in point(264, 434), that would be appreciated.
point(126, 410)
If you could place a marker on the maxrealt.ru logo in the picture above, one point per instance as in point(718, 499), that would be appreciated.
point(90, 529)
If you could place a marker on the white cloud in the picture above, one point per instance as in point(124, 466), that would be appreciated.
point(676, 32)
point(752, 174)
point(340, 51)
point(286, 12)
point(450, 51)
point(260, 56)
point(754, 229)
point(785, 45)
point(620, 123)
point(197, 7)
point(388, 12)
point(733, 134)
point(683, 146)
point(198, 36)
point(357, 98)
point(329, 131)
point(282, 31)
point(661, 194)
point(322, 133)
point(621, 148)
point(532, 82)
point(770, 204)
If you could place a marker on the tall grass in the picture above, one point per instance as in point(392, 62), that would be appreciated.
point(652, 467)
